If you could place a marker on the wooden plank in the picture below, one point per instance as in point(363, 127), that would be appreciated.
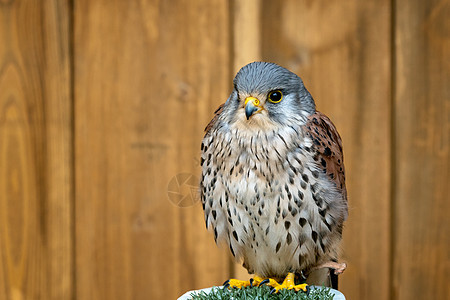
point(246, 49)
point(342, 52)
point(36, 189)
point(246, 32)
point(149, 75)
point(422, 142)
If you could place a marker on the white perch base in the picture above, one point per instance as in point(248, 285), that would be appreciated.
point(337, 295)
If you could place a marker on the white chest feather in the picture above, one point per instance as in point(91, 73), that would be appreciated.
point(264, 196)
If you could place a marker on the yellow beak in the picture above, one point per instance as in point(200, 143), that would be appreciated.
point(251, 106)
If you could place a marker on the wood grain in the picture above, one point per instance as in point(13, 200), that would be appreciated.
point(246, 49)
point(421, 265)
point(246, 32)
point(120, 95)
point(149, 75)
point(342, 52)
point(36, 186)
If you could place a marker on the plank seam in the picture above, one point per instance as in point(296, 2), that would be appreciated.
point(393, 135)
point(71, 38)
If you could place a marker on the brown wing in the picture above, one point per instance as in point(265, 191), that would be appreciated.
point(328, 144)
point(214, 119)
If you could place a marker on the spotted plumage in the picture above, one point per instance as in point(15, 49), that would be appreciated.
point(272, 185)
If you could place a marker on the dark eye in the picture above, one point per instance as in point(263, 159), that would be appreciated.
point(275, 96)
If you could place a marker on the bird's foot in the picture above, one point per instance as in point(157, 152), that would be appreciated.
point(289, 284)
point(258, 281)
point(236, 283)
point(255, 281)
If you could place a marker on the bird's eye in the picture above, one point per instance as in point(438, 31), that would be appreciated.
point(275, 96)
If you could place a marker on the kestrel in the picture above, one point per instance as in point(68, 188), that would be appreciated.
point(273, 184)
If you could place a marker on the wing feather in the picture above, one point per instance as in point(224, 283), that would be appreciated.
point(328, 145)
point(214, 119)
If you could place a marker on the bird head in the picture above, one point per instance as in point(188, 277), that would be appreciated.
point(267, 94)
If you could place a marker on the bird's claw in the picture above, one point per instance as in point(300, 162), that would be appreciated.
point(299, 287)
point(226, 284)
point(253, 282)
point(289, 284)
point(236, 283)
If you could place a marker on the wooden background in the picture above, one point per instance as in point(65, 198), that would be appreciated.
point(102, 108)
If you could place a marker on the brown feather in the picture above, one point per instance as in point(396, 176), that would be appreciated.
point(214, 119)
point(328, 144)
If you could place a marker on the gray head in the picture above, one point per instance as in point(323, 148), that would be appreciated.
point(266, 93)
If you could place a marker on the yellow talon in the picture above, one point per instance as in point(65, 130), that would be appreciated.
point(289, 284)
point(236, 283)
point(255, 281)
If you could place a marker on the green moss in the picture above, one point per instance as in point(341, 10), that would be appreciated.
point(263, 292)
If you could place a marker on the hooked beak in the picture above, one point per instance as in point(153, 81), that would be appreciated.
point(251, 106)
